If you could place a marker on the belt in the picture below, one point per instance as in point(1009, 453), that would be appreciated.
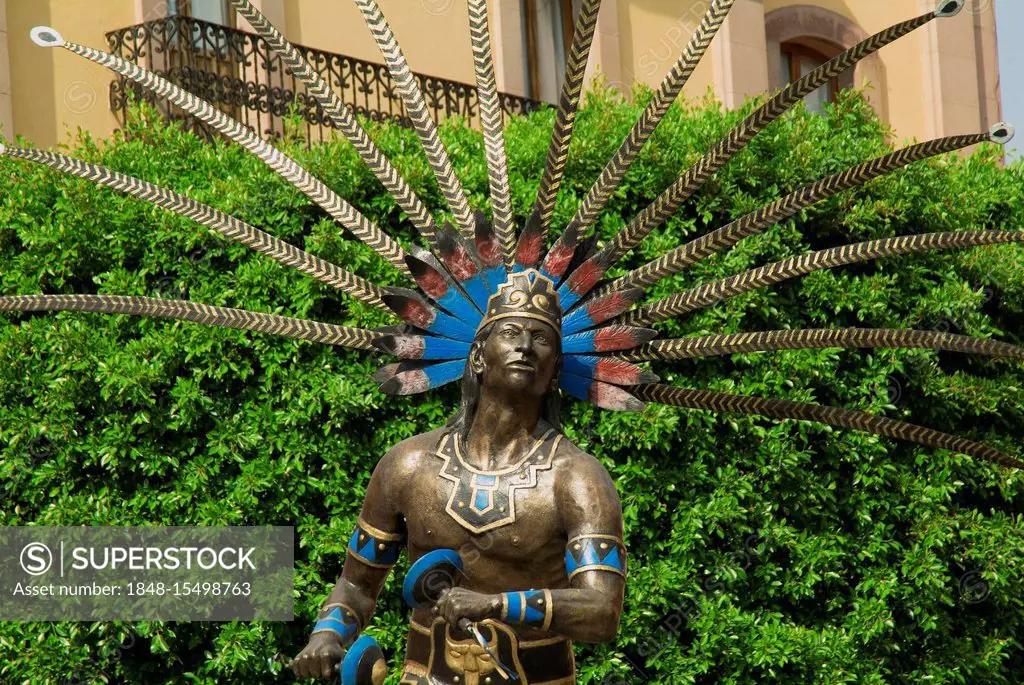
point(442, 654)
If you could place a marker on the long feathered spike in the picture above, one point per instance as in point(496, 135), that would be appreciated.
point(416, 108)
point(599, 309)
point(700, 248)
point(604, 395)
point(461, 263)
point(224, 224)
point(834, 416)
point(342, 118)
point(666, 205)
point(614, 172)
point(441, 289)
point(606, 339)
point(608, 369)
point(361, 227)
point(532, 239)
point(489, 250)
point(491, 122)
point(416, 347)
point(424, 378)
point(818, 338)
point(702, 296)
point(184, 310)
point(414, 310)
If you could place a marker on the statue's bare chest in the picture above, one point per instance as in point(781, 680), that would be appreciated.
point(508, 513)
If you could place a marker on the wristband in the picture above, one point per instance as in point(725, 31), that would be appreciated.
point(529, 608)
point(339, 619)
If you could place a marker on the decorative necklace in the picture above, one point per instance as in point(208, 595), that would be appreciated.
point(484, 500)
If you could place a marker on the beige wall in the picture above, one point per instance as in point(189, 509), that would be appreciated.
point(941, 80)
point(54, 92)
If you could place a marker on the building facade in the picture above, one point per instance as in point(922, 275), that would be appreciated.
point(941, 80)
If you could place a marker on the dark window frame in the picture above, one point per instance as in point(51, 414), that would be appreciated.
point(794, 50)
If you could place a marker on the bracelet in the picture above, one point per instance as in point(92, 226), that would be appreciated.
point(529, 608)
point(340, 620)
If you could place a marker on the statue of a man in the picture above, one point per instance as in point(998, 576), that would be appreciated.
point(537, 521)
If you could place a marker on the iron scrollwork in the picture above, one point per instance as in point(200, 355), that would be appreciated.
point(237, 72)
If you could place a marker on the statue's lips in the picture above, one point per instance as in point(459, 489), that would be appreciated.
point(521, 366)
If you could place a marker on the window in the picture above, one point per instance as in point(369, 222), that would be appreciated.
point(798, 60)
point(215, 11)
point(547, 37)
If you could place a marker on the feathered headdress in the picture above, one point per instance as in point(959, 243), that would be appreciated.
point(474, 262)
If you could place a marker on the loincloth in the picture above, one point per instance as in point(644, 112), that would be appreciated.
point(441, 655)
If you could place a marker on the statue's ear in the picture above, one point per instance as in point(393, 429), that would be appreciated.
point(558, 372)
point(476, 357)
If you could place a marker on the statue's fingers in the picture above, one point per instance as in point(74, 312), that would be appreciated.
point(327, 668)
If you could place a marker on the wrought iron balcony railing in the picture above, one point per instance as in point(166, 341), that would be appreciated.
point(237, 72)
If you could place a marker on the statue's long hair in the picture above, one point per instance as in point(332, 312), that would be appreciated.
point(462, 420)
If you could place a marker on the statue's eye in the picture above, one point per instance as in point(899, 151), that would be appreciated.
point(509, 332)
point(540, 337)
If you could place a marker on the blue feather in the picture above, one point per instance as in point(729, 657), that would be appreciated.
point(444, 372)
point(495, 276)
point(459, 305)
point(477, 289)
point(450, 327)
point(443, 348)
point(576, 321)
point(567, 297)
point(577, 386)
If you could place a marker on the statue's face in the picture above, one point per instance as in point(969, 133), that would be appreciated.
point(520, 355)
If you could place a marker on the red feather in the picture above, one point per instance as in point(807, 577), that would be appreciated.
point(611, 338)
point(530, 246)
point(460, 263)
point(430, 280)
point(558, 258)
point(622, 373)
point(614, 398)
point(600, 309)
point(587, 275)
point(489, 250)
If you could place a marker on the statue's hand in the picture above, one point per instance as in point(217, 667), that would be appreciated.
point(458, 603)
point(320, 657)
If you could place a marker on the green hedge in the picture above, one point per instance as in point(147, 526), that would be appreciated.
point(760, 551)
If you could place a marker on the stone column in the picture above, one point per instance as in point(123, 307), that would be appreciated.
point(6, 105)
point(740, 53)
point(605, 52)
point(952, 100)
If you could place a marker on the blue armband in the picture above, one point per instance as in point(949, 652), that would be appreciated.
point(374, 547)
point(529, 608)
point(595, 552)
point(338, 619)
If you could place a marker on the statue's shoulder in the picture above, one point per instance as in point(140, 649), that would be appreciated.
point(571, 459)
point(409, 455)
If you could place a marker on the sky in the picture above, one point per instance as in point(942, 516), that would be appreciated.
point(1009, 25)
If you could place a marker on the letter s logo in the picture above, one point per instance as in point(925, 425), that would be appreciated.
point(36, 558)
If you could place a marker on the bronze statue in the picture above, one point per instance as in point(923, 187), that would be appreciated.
point(533, 522)
point(499, 477)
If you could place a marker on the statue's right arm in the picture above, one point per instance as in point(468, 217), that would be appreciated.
point(373, 548)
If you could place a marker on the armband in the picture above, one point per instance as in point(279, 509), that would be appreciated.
point(529, 608)
point(374, 547)
point(595, 553)
point(339, 619)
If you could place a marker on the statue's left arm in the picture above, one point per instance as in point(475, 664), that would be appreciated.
point(589, 610)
